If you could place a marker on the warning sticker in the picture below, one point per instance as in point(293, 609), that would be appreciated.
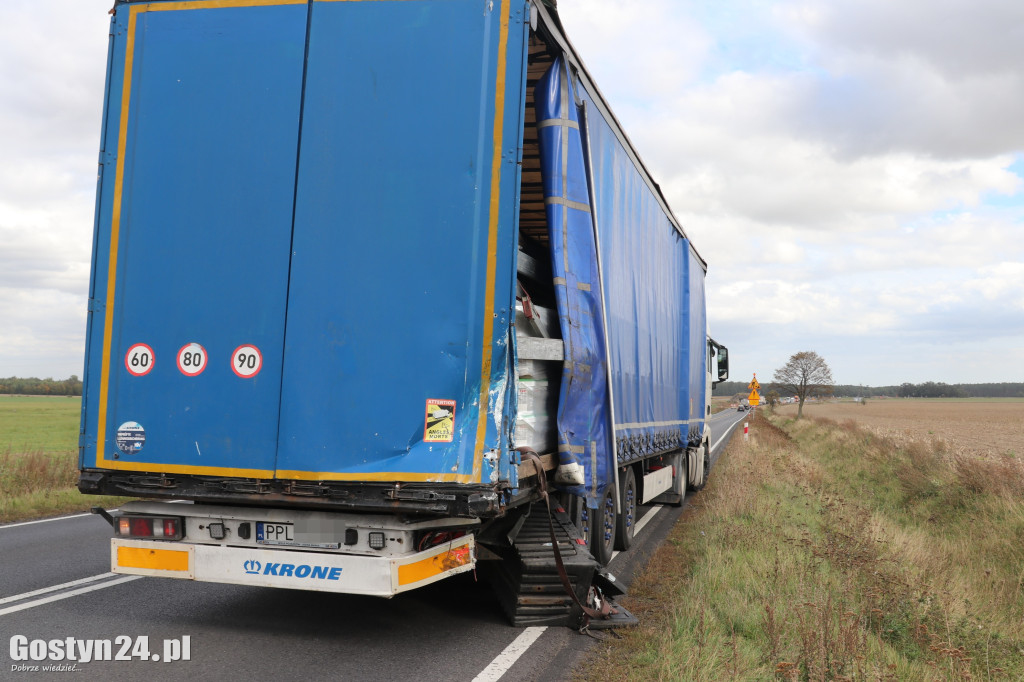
point(130, 437)
point(440, 422)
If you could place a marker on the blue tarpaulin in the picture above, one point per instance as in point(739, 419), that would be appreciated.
point(654, 299)
point(583, 418)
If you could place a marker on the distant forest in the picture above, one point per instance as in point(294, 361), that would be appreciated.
point(33, 386)
point(929, 389)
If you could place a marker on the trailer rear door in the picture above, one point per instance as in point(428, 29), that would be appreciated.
point(194, 217)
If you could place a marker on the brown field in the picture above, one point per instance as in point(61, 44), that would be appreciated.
point(978, 426)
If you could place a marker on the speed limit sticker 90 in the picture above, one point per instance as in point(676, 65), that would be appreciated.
point(192, 359)
point(247, 361)
point(139, 360)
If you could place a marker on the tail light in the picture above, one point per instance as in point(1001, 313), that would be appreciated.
point(150, 527)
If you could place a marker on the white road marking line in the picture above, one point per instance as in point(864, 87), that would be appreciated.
point(640, 525)
point(646, 519)
point(724, 435)
point(54, 588)
point(503, 661)
point(66, 595)
point(56, 518)
point(72, 516)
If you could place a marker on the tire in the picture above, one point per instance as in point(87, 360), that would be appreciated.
point(705, 467)
point(626, 519)
point(602, 528)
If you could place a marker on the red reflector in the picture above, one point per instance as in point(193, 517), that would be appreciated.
point(141, 528)
point(170, 527)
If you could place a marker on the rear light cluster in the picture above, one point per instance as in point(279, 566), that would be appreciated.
point(150, 527)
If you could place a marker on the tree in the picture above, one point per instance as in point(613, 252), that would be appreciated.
point(805, 374)
point(772, 398)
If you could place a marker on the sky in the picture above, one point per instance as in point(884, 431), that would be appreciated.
point(851, 170)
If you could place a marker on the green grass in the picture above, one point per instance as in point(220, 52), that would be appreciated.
point(39, 424)
point(39, 458)
point(819, 551)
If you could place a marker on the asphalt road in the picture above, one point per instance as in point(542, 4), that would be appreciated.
point(55, 585)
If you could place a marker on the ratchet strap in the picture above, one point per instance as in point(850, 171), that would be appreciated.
point(606, 609)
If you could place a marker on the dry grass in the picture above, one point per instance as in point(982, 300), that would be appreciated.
point(39, 458)
point(823, 551)
point(39, 484)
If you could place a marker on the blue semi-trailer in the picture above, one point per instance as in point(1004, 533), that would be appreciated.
point(367, 276)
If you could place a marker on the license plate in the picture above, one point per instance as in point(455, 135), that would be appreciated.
point(285, 534)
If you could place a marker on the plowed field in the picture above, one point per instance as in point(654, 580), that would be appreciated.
point(980, 426)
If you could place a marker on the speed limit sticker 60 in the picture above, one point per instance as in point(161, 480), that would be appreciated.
point(192, 359)
point(247, 361)
point(139, 360)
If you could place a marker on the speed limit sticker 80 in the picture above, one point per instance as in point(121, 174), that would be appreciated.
point(192, 359)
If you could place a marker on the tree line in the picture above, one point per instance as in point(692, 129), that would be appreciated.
point(928, 389)
point(34, 386)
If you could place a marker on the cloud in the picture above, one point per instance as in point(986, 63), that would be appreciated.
point(672, 52)
point(52, 67)
point(936, 77)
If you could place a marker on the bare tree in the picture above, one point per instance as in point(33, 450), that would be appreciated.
point(804, 375)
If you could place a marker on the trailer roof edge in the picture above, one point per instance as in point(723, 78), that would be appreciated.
point(553, 26)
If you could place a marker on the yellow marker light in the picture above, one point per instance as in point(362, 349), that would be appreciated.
point(434, 565)
point(153, 559)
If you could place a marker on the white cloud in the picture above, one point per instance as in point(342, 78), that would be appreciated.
point(52, 66)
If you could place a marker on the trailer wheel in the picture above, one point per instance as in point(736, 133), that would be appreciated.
point(705, 454)
point(626, 520)
point(602, 533)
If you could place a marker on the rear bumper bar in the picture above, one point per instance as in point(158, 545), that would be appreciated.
point(303, 570)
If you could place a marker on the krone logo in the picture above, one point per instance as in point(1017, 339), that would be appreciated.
point(252, 566)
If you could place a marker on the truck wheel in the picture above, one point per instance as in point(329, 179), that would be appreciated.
point(626, 519)
point(705, 467)
point(602, 533)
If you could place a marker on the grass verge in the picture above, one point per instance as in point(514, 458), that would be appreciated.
point(38, 484)
point(38, 460)
point(820, 551)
